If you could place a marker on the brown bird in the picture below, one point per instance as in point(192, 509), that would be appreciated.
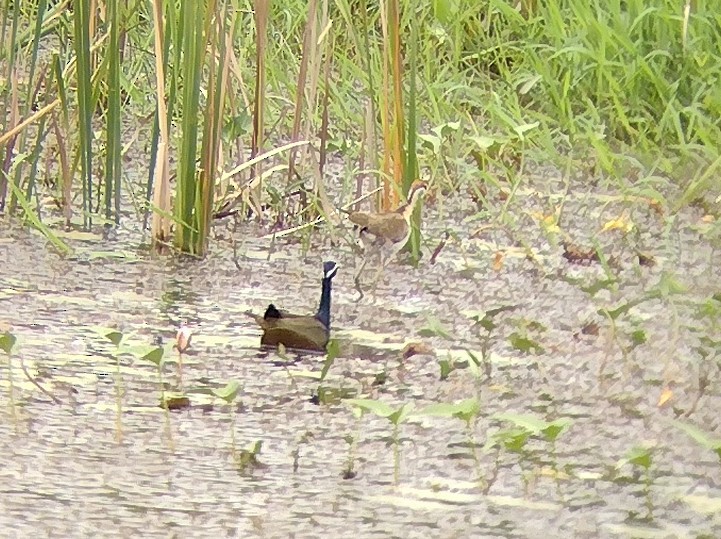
point(387, 232)
point(300, 332)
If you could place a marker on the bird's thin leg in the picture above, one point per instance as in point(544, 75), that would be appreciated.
point(382, 262)
point(357, 277)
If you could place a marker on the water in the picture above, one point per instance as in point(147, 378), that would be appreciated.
point(65, 474)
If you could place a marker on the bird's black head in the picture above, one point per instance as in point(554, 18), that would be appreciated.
point(272, 312)
point(330, 268)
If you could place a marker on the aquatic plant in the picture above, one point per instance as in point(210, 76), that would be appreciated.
point(467, 411)
point(156, 355)
point(641, 456)
point(246, 460)
point(182, 342)
point(525, 427)
point(115, 337)
point(7, 343)
point(395, 417)
point(229, 393)
point(349, 469)
point(699, 436)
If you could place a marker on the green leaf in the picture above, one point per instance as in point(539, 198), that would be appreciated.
point(524, 128)
point(554, 429)
point(332, 351)
point(512, 439)
point(711, 308)
point(638, 337)
point(623, 308)
point(474, 365)
point(401, 414)
point(113, 335)
point(668, 286)
point(229, 392)
point(7, 342)
point(527, 422)
point(446, 368)
point(485, 143)
point(699, 436)
point(486, 322)
point(434, 328)
point(465, 410)
point(431, 142)
point(595, 288)
point(446, 128)
point(528, 84)
point(445, 10)
point(524, 344)
point(379, 408)
point(151, 353)
point(638, 456)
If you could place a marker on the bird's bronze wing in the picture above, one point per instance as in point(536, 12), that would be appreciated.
point(305, 333)
point(391, 226)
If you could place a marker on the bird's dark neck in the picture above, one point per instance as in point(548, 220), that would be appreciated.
point(323, 314)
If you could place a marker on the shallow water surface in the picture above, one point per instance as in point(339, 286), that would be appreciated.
point(65, 474)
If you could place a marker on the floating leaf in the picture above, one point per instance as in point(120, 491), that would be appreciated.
point(622, 309)
point(7, 342)
point(333, 395)
point(638, 337)
point(415, 348)
point(524, 344)
point(247, 459)
point(175, 401)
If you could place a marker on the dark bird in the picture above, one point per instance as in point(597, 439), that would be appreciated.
point(309, 332)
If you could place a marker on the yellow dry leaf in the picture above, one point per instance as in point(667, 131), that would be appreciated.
point(498, 260)
point(620, 223)
point(708, 219)
point(666, 395)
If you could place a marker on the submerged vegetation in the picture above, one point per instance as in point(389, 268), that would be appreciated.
point(565, 148)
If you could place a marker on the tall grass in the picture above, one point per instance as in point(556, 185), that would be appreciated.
point(81, 40)
point(599, 87)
